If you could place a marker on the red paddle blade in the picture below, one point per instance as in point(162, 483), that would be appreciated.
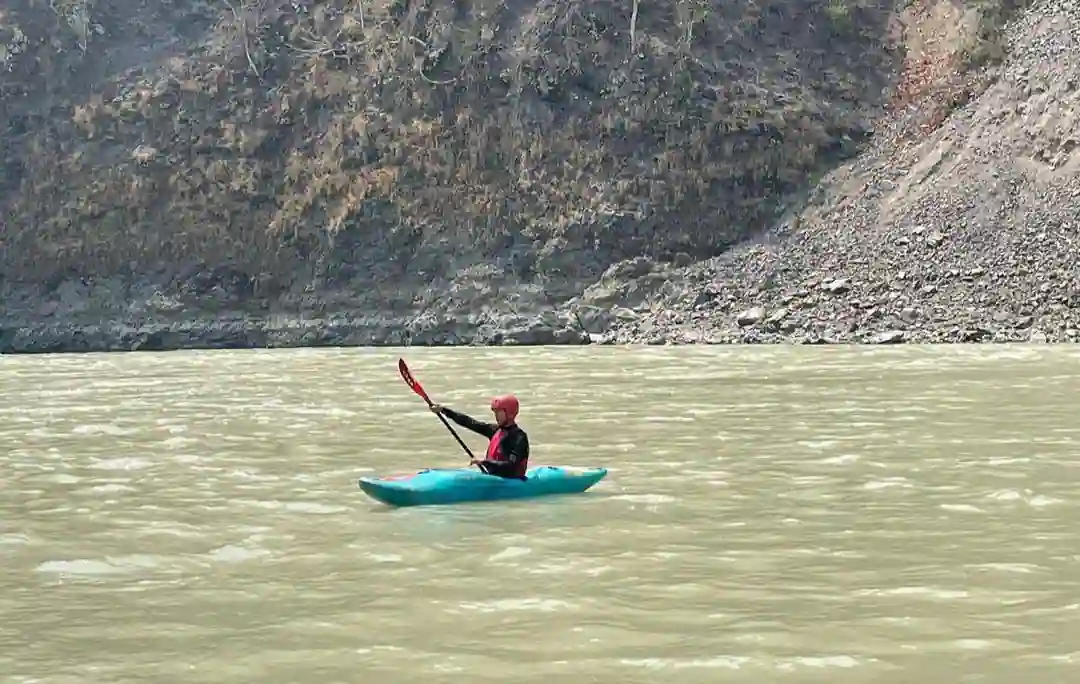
point(406, 375)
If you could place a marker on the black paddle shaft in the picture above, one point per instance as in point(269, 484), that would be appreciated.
point(455, 434)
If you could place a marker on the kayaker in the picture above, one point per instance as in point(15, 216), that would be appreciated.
point(508, 445)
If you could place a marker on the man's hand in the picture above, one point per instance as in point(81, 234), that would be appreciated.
point(436, 408)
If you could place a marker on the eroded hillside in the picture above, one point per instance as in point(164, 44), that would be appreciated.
point(354, 130)
point(343, 158)
point(960, 225)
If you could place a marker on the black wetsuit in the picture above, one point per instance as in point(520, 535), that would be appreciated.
point(512, 456)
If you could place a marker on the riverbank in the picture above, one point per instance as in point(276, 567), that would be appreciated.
point(915, 292)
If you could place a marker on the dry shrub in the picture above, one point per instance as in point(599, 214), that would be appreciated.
point(356, 133)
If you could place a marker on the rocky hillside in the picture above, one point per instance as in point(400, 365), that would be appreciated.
point(357, 132)
point(263, 172)
point(953, 227)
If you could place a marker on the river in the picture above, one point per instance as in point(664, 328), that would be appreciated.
point(775, 514)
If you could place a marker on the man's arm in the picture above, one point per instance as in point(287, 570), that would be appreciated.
point(469, 423)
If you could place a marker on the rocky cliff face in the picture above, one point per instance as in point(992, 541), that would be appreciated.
point(325, 172)
point(953, 227)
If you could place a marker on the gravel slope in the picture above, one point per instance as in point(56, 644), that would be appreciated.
point(971, 234)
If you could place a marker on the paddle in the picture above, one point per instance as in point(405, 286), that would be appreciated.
point(407, 376)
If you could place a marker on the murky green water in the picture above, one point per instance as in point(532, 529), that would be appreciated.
point(772, 515)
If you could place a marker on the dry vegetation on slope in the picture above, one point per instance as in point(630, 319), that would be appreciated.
point(224, 158)
point(351, 133)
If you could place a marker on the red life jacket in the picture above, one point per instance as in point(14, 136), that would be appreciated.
point(494, 449)
point(495, 453)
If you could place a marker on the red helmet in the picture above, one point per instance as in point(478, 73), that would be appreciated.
point(508, 403)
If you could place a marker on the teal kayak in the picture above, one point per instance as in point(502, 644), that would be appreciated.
point(437, 486)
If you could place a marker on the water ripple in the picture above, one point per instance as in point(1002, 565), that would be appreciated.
point(777, 514)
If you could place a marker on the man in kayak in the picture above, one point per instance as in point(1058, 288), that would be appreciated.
point(508, 445)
